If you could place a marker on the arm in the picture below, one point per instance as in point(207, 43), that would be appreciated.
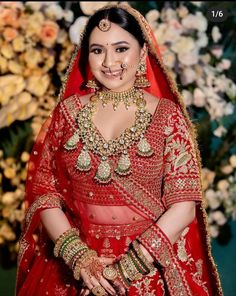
point(181, 190)
point(183, 213)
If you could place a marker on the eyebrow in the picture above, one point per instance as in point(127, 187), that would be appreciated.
point(113, 44)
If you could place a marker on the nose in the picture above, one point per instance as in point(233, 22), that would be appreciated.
point(109, 59)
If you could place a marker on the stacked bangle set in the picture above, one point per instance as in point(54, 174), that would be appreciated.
point(76, 254)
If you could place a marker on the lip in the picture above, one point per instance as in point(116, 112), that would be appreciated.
point(111, 74)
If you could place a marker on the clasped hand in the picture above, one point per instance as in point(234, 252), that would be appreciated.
point(97, 283)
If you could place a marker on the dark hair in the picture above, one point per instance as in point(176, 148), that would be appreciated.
point(115, 15)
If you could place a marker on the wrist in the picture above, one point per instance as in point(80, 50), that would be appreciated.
point(146, 254)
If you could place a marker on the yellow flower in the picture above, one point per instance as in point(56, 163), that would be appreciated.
point(6, 232)
point(32, 58)
point(7, 51)
point(38, 85)
point(15, 67)
point(34, 24)
point(23, 174)
point(25, 156)
point(19, 44)
point(10, 85)
point(9, 173)
point(8, 198)
point(3, 64)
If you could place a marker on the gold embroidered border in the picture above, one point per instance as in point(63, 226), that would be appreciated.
point(161, 249)
point(136, 194)
point(49, 200)
point(70, 110)
point(100, 231)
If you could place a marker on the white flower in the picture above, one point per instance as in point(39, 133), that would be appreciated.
point(159, 33)
point(187, 97)
point(182, 11)
point(68, 16)
point(212, 199)
point(225, 64)
point(199, 98)
point(219, 217)
point(223, 185)
point(220, 131)
point(152, 16)
point(173, 31)
point(77, 28)
point(231, 90)
point(188, 75)
point(34, 5)
point(54, 11)
point(197, 3)
point(183, 45)
point(190, 58)
point(215, 33)
point(89, 7)
point(195, 22)
point(232, 160)
point(229, 109)
point(168, 14)
point(202, 40)
point(227, 169)
point(169, 58)
point(214, 231)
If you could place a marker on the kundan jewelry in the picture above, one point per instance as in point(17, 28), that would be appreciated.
point(93, 141)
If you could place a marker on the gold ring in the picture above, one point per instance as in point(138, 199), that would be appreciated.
point(110, 273)
point(98, 291)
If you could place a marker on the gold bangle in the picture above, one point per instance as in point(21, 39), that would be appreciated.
point(142, 257)
point(62, 238)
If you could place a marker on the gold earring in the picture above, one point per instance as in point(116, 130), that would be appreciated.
point(141, 80)
point(92, 84)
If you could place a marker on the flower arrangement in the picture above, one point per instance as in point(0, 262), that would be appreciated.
point(34, 51)
point(195, 58)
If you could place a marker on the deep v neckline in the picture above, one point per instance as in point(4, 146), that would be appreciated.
point(127, 128)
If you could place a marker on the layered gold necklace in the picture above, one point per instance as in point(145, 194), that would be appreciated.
point(94, 142)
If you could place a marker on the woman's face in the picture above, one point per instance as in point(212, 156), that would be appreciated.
point(114, 56)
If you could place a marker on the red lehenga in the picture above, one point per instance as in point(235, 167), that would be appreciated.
point(112, 215)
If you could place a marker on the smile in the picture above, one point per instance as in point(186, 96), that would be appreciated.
point(112, 74)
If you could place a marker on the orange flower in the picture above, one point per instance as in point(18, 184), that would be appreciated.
point(10, 17)
point(10, 34)
point(49, 33)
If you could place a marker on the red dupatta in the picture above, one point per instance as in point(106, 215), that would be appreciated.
point(38, 197)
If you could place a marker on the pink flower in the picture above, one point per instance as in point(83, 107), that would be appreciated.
point(49, 33)
point(10, 34)
point(9, 16)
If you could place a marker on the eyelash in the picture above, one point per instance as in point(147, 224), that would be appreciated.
point(119, 50)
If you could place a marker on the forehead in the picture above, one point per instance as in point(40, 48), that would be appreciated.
point(114, 34)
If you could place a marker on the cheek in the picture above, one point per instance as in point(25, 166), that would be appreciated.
point(132, 61)
point(94, 62)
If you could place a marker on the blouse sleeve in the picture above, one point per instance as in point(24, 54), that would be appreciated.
point(181, 180)
point(43, 187)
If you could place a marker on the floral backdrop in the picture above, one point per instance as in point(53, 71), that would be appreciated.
point(36, 42)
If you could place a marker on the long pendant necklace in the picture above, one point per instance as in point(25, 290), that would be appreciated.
point(94, 142)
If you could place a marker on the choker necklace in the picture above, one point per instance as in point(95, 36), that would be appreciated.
point(93, 141)
point(127, 97)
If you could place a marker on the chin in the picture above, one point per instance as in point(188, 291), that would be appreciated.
point(116, 84)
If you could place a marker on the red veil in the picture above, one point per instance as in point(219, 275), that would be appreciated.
point(56, 191)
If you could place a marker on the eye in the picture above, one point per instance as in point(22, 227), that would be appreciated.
point(96, 50)
point(122, 49)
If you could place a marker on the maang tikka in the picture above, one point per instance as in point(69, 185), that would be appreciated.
point(104, 25)
point(141, 80)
